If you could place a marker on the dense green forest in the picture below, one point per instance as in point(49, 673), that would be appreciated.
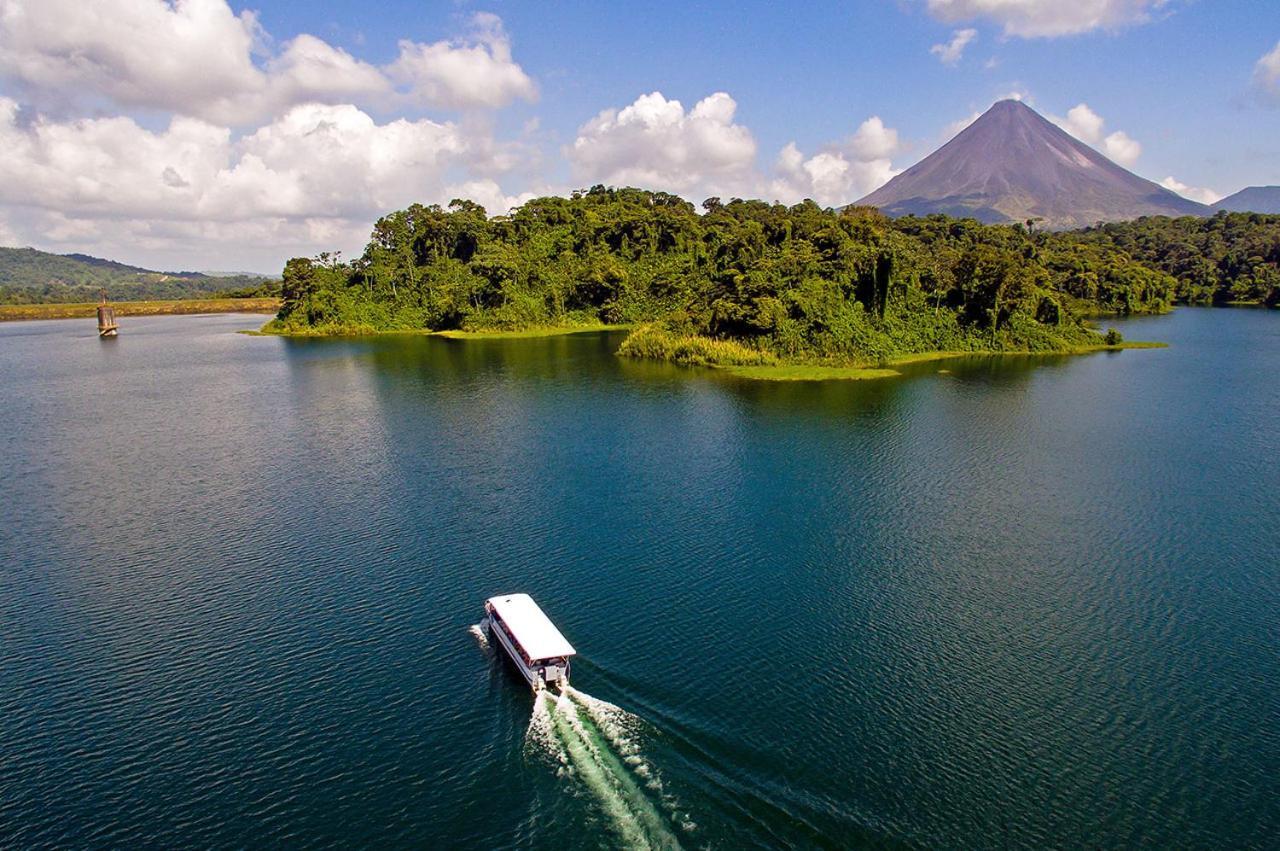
point(28, 276)
point(1228, 258)
point(743, 282)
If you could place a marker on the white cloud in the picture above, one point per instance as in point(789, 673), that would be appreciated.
point(1119, 147)
point(1083, 123)
point(488, 194)
point(830, 177)
point(147, 53)
point(873, 140)
point(838, 174)
point(334, 161)
point(1202, 194)
point(1047, 18)
point(317, 173)
point(951, 52)
point(1266, 73)
point(656, 144)
point(312, 70)
point(459, 74)
point(1087, 126)
point(196, 58)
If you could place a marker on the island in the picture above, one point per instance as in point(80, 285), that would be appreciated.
point(773, 291)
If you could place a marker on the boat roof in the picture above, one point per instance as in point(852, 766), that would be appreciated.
point(531, 627)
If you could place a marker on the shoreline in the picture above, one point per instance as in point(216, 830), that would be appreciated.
point(806, 372)
point(763, 372)
point(170, 307)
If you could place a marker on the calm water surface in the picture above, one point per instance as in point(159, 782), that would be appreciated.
point(1014, 604)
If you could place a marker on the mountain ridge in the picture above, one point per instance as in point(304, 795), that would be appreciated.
point(30, 275)
point(1252, 199)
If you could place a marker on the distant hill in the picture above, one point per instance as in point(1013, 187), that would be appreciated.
point(1012, 165)
point(28, 276)
point(1253, 199)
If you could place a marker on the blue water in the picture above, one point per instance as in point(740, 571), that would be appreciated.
point(997, 603)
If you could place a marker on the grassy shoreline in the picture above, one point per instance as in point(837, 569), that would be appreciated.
point(174, 307)
point(762, 366)
point(807, 372)
point(652, 342)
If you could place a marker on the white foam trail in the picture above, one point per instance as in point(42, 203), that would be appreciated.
point(586, 740)
point(614, 723)
point(591, 770)
point(601, 732)
point(478, 633)
point(540, 736)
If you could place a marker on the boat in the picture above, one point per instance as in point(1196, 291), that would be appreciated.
point(107, 327)
point(531, 641)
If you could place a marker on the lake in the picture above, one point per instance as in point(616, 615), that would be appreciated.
point(1000, 602)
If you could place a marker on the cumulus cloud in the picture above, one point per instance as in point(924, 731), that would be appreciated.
point(1196, 193)
point(1083, 123)
point(873, 140)
point(654, 142)
point(838, 174)
point(952, 51)
point(1121, 148)
point(832, 177)
point(461, 74)
point(488, 194)
point(1266, 73)
point(1047, 18)
point(315, 172)
point(1087, 126)
point(197, 58)
point(149, 53)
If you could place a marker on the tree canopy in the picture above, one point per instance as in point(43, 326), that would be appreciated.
point(798, 282)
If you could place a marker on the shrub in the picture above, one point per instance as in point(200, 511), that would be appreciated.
point(657, 343)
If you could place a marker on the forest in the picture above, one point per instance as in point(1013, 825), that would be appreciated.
point(748, 282)
point(1229, 258)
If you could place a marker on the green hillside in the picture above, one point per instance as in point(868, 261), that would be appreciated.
point(28, 276)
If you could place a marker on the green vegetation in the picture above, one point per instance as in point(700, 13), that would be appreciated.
point(1230, 258)
point(28, 276)
point(658, 343)
point(745, 284)
point(11, 312)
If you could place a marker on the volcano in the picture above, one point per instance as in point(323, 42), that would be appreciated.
point(1012, 165)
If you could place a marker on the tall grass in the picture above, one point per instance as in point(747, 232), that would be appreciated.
point(657, 343)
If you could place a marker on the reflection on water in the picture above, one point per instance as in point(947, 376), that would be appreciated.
point(998, 602)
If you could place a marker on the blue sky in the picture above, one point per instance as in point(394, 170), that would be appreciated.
point(810, 72)
point(202, 133)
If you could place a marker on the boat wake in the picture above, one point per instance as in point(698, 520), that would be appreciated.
point(593, 743)
point(478, 633)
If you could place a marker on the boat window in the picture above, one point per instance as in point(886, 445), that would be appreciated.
point(511, 637)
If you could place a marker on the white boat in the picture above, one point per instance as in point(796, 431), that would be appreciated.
point(532, 642)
